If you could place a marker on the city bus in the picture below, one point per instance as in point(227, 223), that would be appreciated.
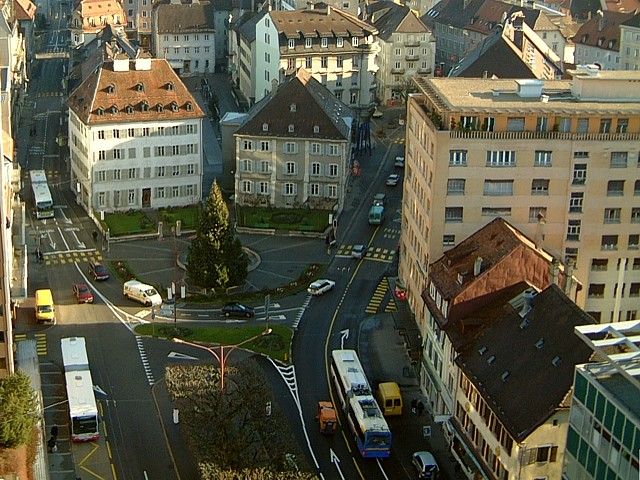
point(83, 411)
point(364, 417)
point(41, 194)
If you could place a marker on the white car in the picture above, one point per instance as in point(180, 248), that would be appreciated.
point(425, 465)
point(392, 180)
point(399, 162)
point(321, 286)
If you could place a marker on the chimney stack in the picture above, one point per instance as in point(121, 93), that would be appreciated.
point(555, 271)
point(600, 15)
point(569, 276)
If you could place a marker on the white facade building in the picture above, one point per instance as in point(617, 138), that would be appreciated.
point(135, 137)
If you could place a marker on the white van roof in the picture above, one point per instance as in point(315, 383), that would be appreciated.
point(134, 283)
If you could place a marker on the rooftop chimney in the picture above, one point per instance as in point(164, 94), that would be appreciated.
point(600, 20)
point(569, 274)
point(555, 271)
point(477, 266)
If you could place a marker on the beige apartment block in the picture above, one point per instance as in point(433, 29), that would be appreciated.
point(558, 159)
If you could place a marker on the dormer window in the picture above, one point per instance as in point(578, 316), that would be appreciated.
point(174, 107)
point(292, 107)
point(160, 108)
point(170, 86)
point(600, 41)
point(354, 41)
point(144, 106)
point(316, 129)
point(114, 109)
point(140, 87)
point(99, 111)
point(129, 109)
point(265, 127)
point(189, 106)
point(291, 128)
point(111, 88)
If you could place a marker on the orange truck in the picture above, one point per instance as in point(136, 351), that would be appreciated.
point(327, 418)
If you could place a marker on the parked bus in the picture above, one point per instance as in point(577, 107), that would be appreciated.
point(83, 412)
point(370, 429)
point(41, 194)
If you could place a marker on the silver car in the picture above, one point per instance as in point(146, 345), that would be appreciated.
point(425, 464)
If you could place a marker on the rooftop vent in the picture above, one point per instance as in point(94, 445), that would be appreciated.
point(556, 361)
point(491, 360)
point(460, 278)
point(477, 266)
point(529, 88)
point(505, 375)
point(540, 344)
point(482, 350)
point(524, 324)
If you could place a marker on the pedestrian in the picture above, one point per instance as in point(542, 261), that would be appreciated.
point(414, 405)
point(52, 445)
point(420, 408)
point(54, 431)
point(94, 234)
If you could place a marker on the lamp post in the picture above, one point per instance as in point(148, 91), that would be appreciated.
point(225, 351)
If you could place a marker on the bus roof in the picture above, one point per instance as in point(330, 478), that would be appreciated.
point(37, 176)
point(368, 414)
point(351, 373)
point(82, 400)
point(74, 354)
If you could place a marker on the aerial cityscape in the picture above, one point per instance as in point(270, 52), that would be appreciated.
point(295, 240)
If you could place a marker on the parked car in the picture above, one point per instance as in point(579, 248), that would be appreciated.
point(321, 286)
point(98, 271)
point(425, 464)
point(399, 162)
point(358, 251)
point(82, 293)
point(237, 310)
point(392, 180)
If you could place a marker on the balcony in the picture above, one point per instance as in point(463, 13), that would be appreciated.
point(530, 135)
point(412, 58)
point(412, 43)
point(397, 70)
point(424, 71)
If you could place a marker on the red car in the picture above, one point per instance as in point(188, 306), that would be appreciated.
point(83, 293)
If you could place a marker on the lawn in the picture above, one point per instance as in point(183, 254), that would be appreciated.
point(275, 345)
point(188, 215)
point(128, 223)
point(283, 218)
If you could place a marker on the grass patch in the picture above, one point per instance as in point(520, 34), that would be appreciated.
point(275, 345)
point(128, 223)
point(283, 218)
point(188, 215)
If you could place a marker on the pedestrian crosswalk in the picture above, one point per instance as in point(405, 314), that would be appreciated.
point(65, 258)
point(377, 297)
point(41, 342)
point(378, 254)
point(46, 94)
point(391, 232)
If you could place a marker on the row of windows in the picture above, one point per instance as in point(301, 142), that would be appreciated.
point(324, 42)
point(597, 290)
point(105, 134)
point(289, 189)
point(133, 173)
point(122, 198)
point(292, 63)
point(290, 168)
point(543, 124)
point(158, 151)
point(185, 50)
point(187, 38)
point(541, 158)
point(602, 264)
point(332, 149)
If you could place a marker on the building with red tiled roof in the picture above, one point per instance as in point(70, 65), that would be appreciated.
point(91, 16)
point(135, 136)
point(294, 148)
point(597, 41)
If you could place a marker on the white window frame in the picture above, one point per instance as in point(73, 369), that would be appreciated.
point(289, 189)
point(290, 168)
point(247, 186)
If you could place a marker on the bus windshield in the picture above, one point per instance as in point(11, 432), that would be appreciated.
point(151, 292)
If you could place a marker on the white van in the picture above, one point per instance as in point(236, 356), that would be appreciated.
point(141, 292)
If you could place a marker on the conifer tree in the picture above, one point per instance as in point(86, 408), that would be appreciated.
point(18, 410)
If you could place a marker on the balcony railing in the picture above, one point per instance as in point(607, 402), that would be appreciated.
point(424, 71)
point(412, 43)
point(412, 58)
point(397, 70)
point(528, 135)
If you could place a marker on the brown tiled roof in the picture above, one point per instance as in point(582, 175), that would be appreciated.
point(92, 8)
point(93, 94)
point(532, 360)
point(389, 18)
point(25, 10)
point(602, 32)
point(190, 17)
point(313, 106)
point(319, 22)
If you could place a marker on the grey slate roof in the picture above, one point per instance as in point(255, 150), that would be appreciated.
point(246, 25)
point(524, 351)
point(393, 18)
point(314, 106)
point(190, 17)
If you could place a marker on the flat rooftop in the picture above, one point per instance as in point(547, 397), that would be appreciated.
point(617, 385)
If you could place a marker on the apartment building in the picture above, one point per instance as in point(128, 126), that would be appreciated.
point(138, 21)
point(293, 149)
point(135, 136)
point(184, 34)
point(597, 41)
point(630, 43)
point(407, 48)
point(337, 48)
point(603, 440)
point(557, 158)
point(91, 16)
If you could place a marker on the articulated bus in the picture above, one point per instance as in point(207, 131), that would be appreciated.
point(83, 412)
point(370, 429)
point(41, 194)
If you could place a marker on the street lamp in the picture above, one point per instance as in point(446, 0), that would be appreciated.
point(224, 352)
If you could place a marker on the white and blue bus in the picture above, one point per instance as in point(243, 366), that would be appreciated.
point(41, 194)
point(83, 411)
point(365, 419)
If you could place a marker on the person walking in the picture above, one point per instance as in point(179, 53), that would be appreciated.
point(414, 405)
point(420, 408)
